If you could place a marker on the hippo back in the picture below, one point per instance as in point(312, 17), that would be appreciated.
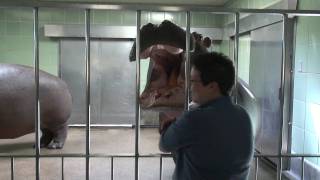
point(17, 100)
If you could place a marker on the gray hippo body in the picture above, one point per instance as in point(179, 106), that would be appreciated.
point(17, 105)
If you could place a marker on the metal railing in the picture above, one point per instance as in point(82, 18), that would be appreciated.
point(257, 158)
point(138, 8)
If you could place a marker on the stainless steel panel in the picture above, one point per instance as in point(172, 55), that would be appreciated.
point(96, 31)
point(112, 80)
point(265, 82)
point(102, 31)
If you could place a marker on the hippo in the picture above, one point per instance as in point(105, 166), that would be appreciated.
point(165, 45)
point(17, 105)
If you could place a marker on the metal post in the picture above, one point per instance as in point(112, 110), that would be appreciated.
point(302, 168)
point(12, 168)
point(187, 64)
point(256, 168)
point(87, 70)
point(62, 168)
point(281, 92)
point(37, 101)
point(137, 117)
point(236, 53)
point(112, 168)
point(160, 167)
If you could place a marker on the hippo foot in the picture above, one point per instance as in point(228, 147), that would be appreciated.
point(55, 145)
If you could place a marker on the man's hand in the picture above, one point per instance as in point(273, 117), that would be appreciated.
point(165, 121)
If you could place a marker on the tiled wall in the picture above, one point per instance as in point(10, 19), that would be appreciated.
point(306, 103)
point(16, 30)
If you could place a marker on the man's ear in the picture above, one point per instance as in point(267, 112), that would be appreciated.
point(213, 85)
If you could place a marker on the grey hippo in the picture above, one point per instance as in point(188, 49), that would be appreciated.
point(17, 105)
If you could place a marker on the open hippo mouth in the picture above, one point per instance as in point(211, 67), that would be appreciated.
point(165, 46)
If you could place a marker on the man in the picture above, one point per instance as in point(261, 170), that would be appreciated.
point(213, 141)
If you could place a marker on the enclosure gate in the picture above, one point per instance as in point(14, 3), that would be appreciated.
point(87, 7)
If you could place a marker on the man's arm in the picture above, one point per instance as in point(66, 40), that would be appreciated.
point(178, 134)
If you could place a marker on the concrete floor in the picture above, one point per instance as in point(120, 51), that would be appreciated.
point(105, 141)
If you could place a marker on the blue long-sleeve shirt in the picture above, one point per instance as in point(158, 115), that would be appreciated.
point(213, 141)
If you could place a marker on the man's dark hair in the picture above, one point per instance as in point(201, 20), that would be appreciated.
point(216, 67)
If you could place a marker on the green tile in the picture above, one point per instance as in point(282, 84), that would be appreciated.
point(13, 28)
point(58, 16)
point(114, 18)
point(72, 17)
point(297, 140)
point(313, 88)
point(45, 15)
point(99, 17)
point(2, 28)
point(299, 113)
point(12, 14)
point(311, 145)
point(26, 15)
point(300, 84)
point(313, 57)
point(129, 18)
point(26, 29)
point(312, 123)
point(198, 19)
point(2, 14)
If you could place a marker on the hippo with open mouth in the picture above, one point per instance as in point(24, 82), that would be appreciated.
point(165, 45)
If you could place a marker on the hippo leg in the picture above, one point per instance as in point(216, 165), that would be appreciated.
point(45, 138)
point(59, 138)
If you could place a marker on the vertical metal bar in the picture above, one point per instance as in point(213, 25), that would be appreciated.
point(236, 53)
point(160, 167)
point(112, 170)
point(302, 168)
point(137, 130)
point(187, 63)
point(256, 168)
point(87, 69)
point(62, 168)
point(281, 95)
point(37, 101)
point(279, 168)
point(12, 168)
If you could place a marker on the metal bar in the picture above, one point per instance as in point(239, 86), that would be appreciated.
point(151, 7)
point(12, 168)
point(137, 117)
point(112, 170)
point(161, 166)
point(101, 155)
point(256, 168)
point(236, 53)
point(187, 63)
point(104, 125)
point(36, 78)
point(281, 92)
point(62, 168)
point(279, 169)
point(302, 168)
point(88, 114)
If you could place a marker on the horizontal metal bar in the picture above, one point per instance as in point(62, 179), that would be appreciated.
point(153, 7)
point(103, 125)
point(70, 155)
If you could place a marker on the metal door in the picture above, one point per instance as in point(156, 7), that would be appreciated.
point(112, 80)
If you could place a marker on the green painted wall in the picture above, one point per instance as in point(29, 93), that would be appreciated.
point(306, 103)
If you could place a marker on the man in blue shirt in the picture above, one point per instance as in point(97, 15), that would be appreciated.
point(213, 141)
